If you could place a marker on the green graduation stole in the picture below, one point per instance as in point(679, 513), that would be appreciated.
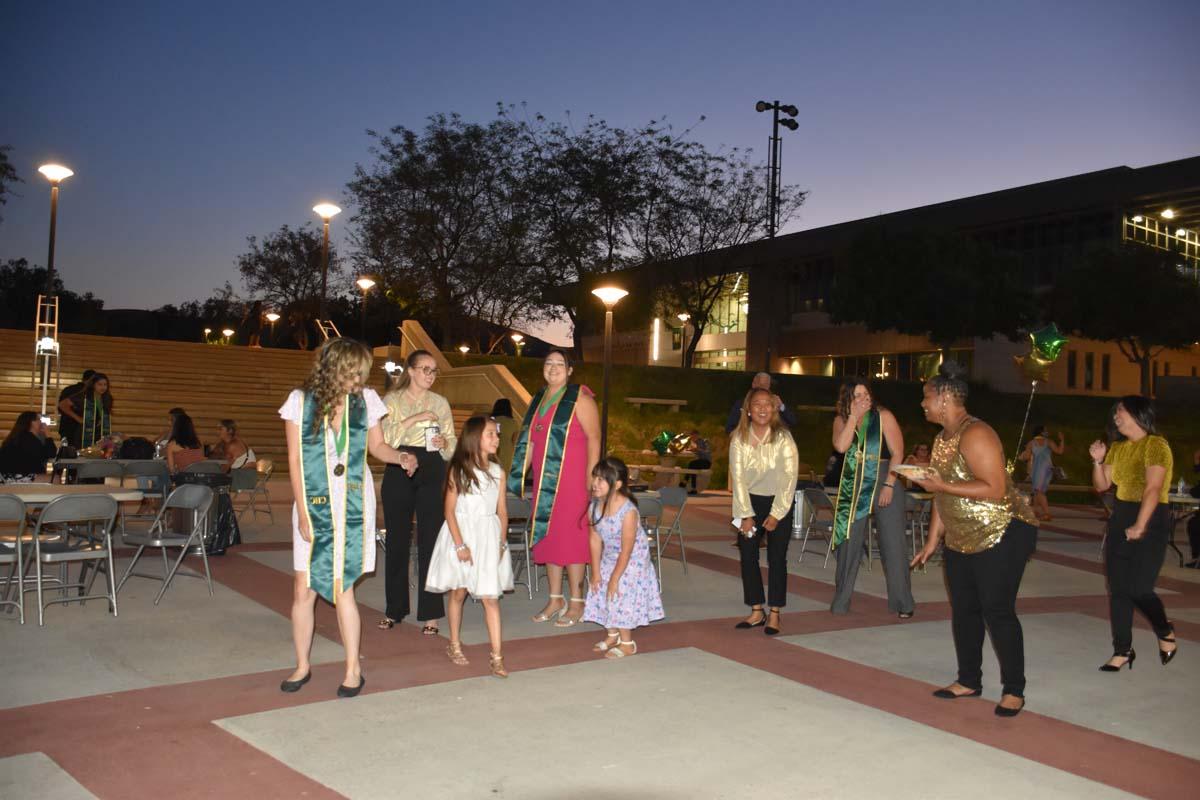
point(93, 413)
point(337, 553)
point(556, 447)
point(856, 490)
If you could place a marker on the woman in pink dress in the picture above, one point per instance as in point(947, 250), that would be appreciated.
point(558, 447)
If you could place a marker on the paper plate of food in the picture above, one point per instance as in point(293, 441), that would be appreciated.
point(911, 471)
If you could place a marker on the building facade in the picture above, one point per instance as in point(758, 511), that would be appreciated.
point(773, 312)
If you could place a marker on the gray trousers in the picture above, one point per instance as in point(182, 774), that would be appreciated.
point(889, 531)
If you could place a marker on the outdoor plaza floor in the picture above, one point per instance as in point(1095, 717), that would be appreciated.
point(182, 700)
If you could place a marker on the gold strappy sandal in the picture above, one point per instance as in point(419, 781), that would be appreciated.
point(455, 654)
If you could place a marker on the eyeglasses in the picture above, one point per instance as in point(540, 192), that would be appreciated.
point(427, 370)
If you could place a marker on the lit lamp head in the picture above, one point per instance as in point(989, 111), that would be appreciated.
point(227, 332)
point(55, 173)
point(462, 348)
point(518, 338)
point(46, 346)
point(326, 211)
point(272, 317)
point(365, 284)
point(683, 317)
point(207, 331)
point(609, 295)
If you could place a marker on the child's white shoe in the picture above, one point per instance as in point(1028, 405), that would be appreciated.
point(617, 652)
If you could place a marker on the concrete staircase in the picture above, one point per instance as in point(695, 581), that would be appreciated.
point(211, 382)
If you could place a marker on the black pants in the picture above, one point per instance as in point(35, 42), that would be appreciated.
point(1132, 569)
point(983, 592)
point(777, 547)
point(697, 463)
point(402, 497)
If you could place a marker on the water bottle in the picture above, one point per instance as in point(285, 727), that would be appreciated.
point(1180, 487)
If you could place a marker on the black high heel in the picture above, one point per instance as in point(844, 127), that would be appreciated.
point(743, 625)
point(1129, 655)
point(1166, 655)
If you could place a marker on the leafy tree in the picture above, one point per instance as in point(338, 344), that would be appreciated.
point(284, 270)
point(8, 176)
point(941, 285)
point(699, 205)
point(1133, 295)
point(20, 285)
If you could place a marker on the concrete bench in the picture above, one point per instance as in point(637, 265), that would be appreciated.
point(638, 402)
point(667, 476)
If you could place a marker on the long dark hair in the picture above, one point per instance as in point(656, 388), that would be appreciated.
point(24, 423)
point(183, 433)
point(612, 471)
point(409, 363)
point(468, 456)
point(1138, 407)
point(846, 395)
point(88, 391)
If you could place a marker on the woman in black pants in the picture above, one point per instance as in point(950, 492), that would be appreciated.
point(1139, 463)
point(762, 471)
point(990, 533)
point(419, 422)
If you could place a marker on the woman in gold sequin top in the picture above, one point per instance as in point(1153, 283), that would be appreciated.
point(990, 532)
point(1139, 464)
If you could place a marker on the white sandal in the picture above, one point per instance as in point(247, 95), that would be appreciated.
point(563, 620)
point(603, 646)
point(617, 652)
point(543, 617)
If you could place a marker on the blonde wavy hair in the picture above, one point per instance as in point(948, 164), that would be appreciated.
point(338, 362)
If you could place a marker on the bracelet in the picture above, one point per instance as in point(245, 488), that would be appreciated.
point(1097, 463)
point(460, 547)
point(890, 485)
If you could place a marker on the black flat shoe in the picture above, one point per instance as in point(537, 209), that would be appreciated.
point(294, 686)
point(346, 691)
point(946, 694)
point(1128, 655)
point(1001, 711)
point(744, 625)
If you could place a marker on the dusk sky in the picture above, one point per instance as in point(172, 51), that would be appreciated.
point(191, 125)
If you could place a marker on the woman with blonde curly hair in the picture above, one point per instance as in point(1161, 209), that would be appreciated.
point(331, 425)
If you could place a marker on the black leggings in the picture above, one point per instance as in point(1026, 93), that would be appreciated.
point(777, 547)
point(983, 593)
point(1132, 568)
point(402, 497)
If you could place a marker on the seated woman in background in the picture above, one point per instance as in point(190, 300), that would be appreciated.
point(183, 447)
point(26, 450)
point(502, 412)
point(919, 457)
point(230, 446)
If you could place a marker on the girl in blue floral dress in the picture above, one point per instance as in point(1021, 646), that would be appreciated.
point(624, 590)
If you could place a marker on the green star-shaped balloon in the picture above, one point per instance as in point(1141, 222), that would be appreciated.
point(1048, 342)
point(661, 442)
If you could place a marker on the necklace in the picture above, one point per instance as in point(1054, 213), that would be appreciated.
point(341, 441)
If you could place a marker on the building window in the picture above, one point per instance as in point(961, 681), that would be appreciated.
point(1089, 370)
point(1072, 363)
point(730, 310)
point(1105, 372)
point(721, 359)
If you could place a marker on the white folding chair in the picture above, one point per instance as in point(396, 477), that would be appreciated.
point(12, 512)
point(253, 481)
point(189, 497)
point(92, 510)
point(520, 513)
point(817, 502)
point(674, 497)
point(651, 511)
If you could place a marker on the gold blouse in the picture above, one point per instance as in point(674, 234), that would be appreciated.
point(972, 525)
point(401, 405)
point(766, 468)
point(1129, 461)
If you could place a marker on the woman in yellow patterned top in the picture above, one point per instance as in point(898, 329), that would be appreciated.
point(419, 421)
point(1139, 465)
point(990, 533)
point(762, 474)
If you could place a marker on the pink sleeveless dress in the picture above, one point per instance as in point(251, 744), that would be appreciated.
point(566, 541)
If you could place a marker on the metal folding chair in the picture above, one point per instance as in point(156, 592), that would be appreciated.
point(153, 479)
point(520, 512)
point(918, 523)
point(91, 510)
point(253, 481)
point(98, 469)
point(12, 510)
point(189, 497)
point(674, 497)
point(816, 502)
point(651, 511)
point(207, 466)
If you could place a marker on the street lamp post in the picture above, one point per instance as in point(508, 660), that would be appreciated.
point(56, 174)
point(775, 157)
point(518, 342)
point(272, 318)
point(365, 284)
point(326, 211)
point(227, 333)
point(610, 296)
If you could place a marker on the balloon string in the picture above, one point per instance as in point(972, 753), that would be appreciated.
point(1029, 405)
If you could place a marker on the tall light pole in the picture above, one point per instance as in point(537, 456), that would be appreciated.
point(272, 318)
point(775, 157)
point(365, 284)
point(518, 341)
point(610, 296)
point(56, 174)
point(326, 211)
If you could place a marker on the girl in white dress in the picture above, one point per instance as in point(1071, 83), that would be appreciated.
point(331, 424)
point(471, 554)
